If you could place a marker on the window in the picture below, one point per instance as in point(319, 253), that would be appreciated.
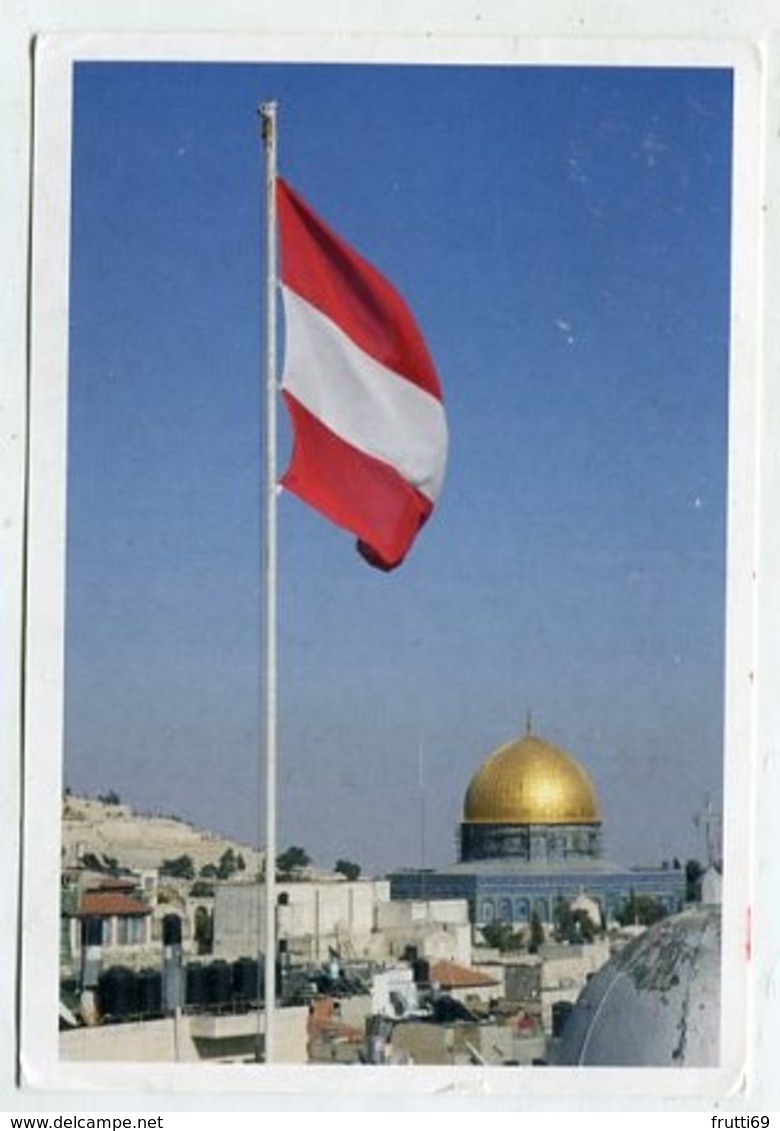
point(131, 930)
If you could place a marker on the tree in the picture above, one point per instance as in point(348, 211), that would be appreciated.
point(201, 890)
point(641, 909)
point(537, 933)
point(292, 860)
point(110, 798)
point(573, 926)
point(583, 927)
point(183, 867)
point(500, 936)
point(562, 920)
point(348, 869)
point(227, 864)
point(693, 874)
point(95, 863)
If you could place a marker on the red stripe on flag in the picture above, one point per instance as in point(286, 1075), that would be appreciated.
point(379, 507)
point(322, 268)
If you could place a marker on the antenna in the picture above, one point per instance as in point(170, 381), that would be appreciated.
point(711, 820)
point(421, 787)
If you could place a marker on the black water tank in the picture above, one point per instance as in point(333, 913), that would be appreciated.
point(196, 991)
point(118, 992)
point(247, 981)
point(219, 983)
point(150, 995)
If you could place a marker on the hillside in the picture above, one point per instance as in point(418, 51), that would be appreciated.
point(137, 840)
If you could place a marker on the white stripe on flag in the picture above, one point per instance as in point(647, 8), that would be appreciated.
point(363, 402)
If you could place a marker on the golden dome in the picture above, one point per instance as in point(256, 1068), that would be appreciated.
point(530, 782)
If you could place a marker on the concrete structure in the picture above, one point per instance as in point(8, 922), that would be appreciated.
point(439, 930)
point(393, 992)
point(712, 884)
point(530, 839)
point(124, 916)
point(187, 1038)
point(112, 918)
point(353, 918)
point(565, 970)
point(312, 918)
point(422, 1043)
point(465, 983)
point(655, 1004)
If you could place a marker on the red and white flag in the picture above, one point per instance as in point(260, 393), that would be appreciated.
point(370, 435)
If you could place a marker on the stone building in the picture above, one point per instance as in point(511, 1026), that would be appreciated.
point(352, 918)
point(530, 840)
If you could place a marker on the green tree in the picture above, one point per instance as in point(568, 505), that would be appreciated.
point(292, 860)
point(537, 933)
point(562, 920)
point(693, 874)
point(201, 889)
point(501, 936)
point(583, 927)
point(182, 867)
point(643, 910)
point(348, 869)
point(227, 864)
point(95, 863)
point(572, 925)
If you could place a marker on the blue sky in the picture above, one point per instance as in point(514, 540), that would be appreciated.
point(562, 235)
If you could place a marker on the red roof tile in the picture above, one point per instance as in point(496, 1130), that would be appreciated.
point(111, 903)
point(449, 974)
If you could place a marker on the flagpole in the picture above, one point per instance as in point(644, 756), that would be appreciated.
point(267, 112)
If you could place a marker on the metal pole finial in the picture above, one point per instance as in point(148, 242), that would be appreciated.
point(267, 112)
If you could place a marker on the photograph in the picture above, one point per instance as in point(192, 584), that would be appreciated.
point(401, 503)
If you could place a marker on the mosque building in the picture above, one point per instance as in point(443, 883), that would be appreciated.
point(531, 837)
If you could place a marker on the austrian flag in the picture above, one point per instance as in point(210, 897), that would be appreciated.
point(370, 435)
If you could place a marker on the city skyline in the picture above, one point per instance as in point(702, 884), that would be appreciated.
point(562, 235)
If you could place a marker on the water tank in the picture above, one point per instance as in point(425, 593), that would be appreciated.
point(118, 992)
point(196, 992)
point(247, 981)
point(219, 984)
point(150, 993)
